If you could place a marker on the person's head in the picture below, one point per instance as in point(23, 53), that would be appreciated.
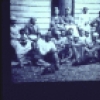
point(57, 34)
point(63, 33)
point(22, 31)
point(22, 39)
point(95, 36)
point(71, 21)
point(52, 24)
point(32, 20)
point(70, 40)
point(13, 20)
point(56, 11)
point(82, 32)
point(48, 37)
point(85, 10)
point(86, 34)
point(76, 38)
point(70, 31)
point(67, 11)
point(42, 36)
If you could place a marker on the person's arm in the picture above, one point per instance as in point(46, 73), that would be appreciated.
point(70, 53)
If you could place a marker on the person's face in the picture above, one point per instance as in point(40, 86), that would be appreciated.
point(63, 33)
point(70, 32)
point(76, 39)
point(57, 32)
point(86, 34)
point(42, 36)
point(56, 11)
point(67, 11)
point(32, 21)
point(48, 38)
point(94, 38)
point(70, 40)
point(82, 33)
point(85, 11)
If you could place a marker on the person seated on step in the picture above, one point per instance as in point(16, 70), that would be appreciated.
point(84, 20)
point(68, 16)
point(91, 51)
point(22, 47)
point(57, 20)
point(32, 28)
point(60, 41)
point(96, 23)
point(47, 51)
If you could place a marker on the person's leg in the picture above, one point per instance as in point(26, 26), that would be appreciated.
point(52, 58)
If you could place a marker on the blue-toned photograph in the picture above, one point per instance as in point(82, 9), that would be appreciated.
point(55, 40)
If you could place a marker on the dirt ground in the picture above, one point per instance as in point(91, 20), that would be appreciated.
point(65, 73)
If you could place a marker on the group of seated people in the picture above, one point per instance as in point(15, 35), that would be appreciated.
point(64, 42)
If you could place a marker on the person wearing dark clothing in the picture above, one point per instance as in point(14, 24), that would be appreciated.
point(32, 28)
point(96, 23)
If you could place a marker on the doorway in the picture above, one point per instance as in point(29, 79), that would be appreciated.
point(61, 4)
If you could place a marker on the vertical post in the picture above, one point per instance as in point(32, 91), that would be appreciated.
point(63, 4)
point(73, 8)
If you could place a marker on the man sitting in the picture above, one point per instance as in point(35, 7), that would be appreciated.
point(91, 50)
point(22, 46)
point(32, 28)
point(60, 44)
point(47, 51)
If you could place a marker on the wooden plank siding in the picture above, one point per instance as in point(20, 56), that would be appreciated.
point(93, 6)
point(24, 9)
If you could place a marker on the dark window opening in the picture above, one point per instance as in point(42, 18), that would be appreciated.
point(54, 3)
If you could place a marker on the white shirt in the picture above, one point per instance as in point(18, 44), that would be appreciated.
point(22, 49)
point(44, 47)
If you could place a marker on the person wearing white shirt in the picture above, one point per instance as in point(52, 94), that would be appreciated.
point(84, 20)
point(22, 46)
point(47, 50)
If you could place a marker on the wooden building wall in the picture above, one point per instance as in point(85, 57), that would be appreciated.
point(24, 9)
point(93, 6)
